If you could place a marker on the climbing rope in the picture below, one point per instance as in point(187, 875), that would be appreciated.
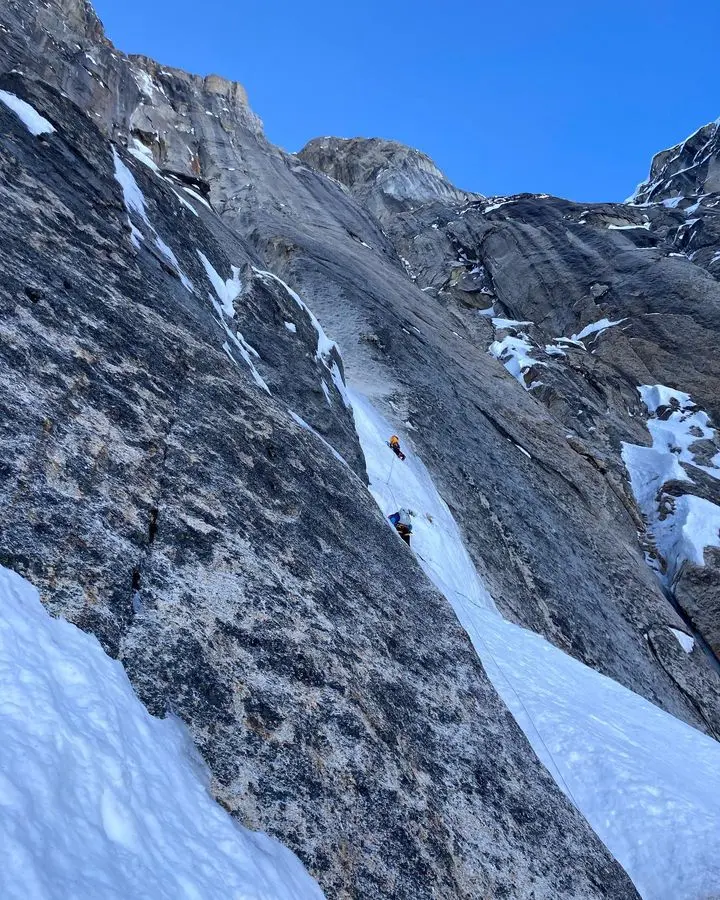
point(392, 463)
point(511, 686)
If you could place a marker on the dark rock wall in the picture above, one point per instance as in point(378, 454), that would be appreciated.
point(163, 500)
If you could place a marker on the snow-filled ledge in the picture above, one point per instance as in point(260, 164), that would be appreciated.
point(99, 800)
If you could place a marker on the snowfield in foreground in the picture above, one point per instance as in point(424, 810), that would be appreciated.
point(98, 799)
point(648, 784)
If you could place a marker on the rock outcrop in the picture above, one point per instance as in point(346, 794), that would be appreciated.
point(689, 169)
point(386, 177)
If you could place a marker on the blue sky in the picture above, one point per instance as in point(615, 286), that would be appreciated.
point(569, 97)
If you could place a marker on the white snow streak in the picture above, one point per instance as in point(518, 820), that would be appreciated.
point(135, 203)
point(133, 196)
point(303, 424)
point(144, 155)
point(325, 347)
point(227, 291)
point(197, 196)
point(100, 800)
point(28, 115)
point(645, 226)
point(595, 328)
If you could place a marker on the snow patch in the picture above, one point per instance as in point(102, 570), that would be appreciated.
point(595, 328)
point(493, 206)
point(685, 641)
point(100, 799)
point(682, 527)
point(291, 327)
point(28, 115)
point(227, 291)
point(514, 354)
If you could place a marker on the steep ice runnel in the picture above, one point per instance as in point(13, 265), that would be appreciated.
point(648, 784)
point(98, 799)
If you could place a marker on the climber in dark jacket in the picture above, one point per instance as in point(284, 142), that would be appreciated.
point(402, 523)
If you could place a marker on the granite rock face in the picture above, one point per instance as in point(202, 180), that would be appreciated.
point(542, 271)
point(166, 397)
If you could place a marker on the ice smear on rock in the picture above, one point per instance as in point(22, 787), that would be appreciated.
point(100, 800)
point(135, 203)
point(648, 784)
point(227, 291)
point(28, 115)
point(327, 351)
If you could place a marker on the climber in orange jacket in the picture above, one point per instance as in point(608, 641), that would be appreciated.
point(394, 445)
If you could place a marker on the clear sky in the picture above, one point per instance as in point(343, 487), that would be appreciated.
point(568, 97)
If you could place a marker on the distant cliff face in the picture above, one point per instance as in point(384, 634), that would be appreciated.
point(386, 177)
point(689, 169)
point(169, 401)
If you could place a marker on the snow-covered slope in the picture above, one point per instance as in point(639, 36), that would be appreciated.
point(648, 784)
point(100, 800)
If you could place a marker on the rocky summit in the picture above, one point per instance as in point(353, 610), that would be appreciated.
point(206, 341)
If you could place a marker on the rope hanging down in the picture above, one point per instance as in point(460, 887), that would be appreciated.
point(512, 687)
